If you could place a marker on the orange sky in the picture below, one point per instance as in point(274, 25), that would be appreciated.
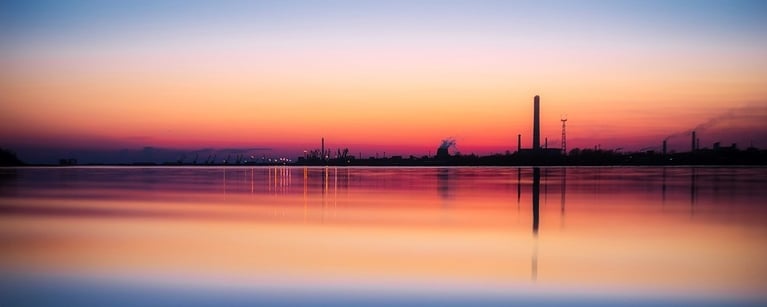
point(391, 80)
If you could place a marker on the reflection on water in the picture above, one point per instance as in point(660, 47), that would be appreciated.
point(536, 220)
point(686, 234)
point(693, 192)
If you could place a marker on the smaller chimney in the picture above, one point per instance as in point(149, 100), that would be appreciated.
point(519, 142)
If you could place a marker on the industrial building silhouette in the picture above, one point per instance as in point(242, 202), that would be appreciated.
point(537, 150)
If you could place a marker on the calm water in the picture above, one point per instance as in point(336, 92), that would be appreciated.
point(386, 236)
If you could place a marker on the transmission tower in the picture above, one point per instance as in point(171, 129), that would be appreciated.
point(564, 135)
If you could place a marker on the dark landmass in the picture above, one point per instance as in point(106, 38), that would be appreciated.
point(8, 158)
point(576, 157)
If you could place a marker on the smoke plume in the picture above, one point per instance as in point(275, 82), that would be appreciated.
point(749, 115)
point(447, 143)
point(746, 115)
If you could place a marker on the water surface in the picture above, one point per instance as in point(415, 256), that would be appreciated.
point(390, 236)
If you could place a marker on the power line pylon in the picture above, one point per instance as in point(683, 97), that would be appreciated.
point(564, 135)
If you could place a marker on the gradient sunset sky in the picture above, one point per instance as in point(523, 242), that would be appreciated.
point(375, 76)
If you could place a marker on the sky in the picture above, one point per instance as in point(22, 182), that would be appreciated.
point(95, 78)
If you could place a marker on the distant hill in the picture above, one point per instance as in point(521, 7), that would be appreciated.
point(8, 158)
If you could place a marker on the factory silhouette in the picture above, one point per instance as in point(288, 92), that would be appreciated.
point(545, 155)
point(535, 154)
point(538, 154)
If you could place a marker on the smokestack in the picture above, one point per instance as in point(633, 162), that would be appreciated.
point(664, 147)
point(536, 123)
point(322, 153)
point(519, 142)
point(692, 147)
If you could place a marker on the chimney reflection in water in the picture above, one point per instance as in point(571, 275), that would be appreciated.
point(536, 220)
point(519, 186)
point(663, 189)
point(693, 190)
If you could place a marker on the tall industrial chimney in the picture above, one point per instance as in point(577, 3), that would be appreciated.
point(692, 147)
point(536, 123)
point(322, 153)
point(519, 142)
